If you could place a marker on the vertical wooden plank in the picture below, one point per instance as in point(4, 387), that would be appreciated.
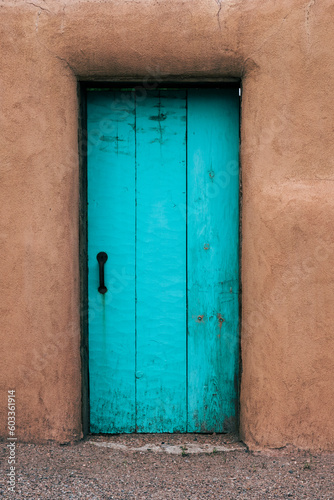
point(213, 259)
point(161, 262)
point(111, 228)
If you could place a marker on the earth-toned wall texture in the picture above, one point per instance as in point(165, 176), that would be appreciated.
point(283, 52)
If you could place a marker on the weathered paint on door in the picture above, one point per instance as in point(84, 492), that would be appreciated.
point(163, 203)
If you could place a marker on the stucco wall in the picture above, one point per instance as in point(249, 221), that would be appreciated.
point(284, 53)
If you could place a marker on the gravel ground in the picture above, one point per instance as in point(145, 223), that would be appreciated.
point(91, 469)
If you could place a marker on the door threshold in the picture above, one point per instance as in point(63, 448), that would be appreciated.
point(173, 444)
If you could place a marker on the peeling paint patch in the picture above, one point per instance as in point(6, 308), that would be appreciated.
point(221, 320)
point(110, 138)
point(160, 118)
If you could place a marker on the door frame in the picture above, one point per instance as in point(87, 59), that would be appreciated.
point(144, 85)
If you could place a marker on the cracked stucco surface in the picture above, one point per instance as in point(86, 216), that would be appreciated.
point(284, 54)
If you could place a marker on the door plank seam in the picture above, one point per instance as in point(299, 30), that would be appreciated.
point(136, 225)
point(187, 261)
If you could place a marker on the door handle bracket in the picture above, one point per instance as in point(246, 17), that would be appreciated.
point(102, 258)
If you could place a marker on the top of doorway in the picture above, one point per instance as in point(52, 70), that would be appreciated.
point(151, 84)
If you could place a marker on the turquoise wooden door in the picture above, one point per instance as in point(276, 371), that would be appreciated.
point(163, 204)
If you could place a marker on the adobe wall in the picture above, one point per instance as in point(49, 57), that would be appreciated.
point(284, 53)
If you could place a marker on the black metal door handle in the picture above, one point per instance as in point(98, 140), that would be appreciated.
point(102, 258)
